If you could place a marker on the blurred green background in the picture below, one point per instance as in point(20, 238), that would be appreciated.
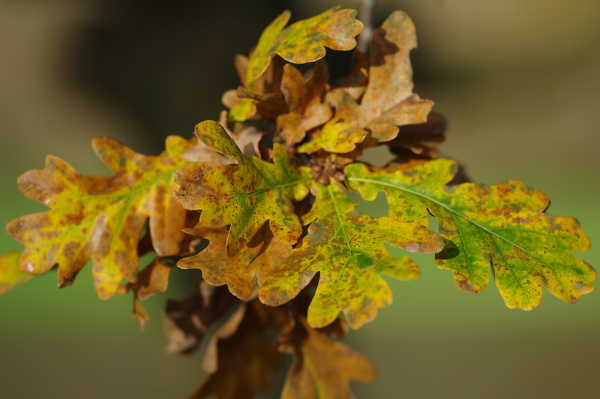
point(519, 82)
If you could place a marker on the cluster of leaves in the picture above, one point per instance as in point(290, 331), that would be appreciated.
point(259, 202)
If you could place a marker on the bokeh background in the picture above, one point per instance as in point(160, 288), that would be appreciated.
point(519, 82)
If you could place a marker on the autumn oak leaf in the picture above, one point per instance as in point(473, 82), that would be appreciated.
point(244, 195)
point(100, 218)
point(352, 282)
point(502, 229)
point(246, 361)
point(302, 42)
point(388, 100)
point(303, 97)
point(322, 367)
point(255, 261)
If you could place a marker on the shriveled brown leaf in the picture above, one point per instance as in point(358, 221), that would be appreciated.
point(303, 97)
point(248, 360)
point(322, 367)
point(190, 319)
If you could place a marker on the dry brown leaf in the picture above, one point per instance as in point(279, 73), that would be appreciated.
point(189, 320)
point(303, 97)
point(250, 358)
point(322, 367)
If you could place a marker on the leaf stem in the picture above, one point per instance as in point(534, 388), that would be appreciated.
point(366, 17)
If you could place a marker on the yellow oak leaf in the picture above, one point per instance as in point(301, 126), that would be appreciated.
point(347, 249)
point(302, 42)
point(100, 218)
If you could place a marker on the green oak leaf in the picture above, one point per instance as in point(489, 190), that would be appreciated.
point(501, 228)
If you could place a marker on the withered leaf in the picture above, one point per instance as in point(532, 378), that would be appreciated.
point(248, 360)
point(202, 313)
point(154, 279)
point(388, 101)
point(322, 368)
point(303, 97)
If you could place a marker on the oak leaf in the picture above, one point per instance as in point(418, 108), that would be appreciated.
point(388, 101)
point(10, 273)
point(247, 359)
point(303, 97)
point(247, 139)
point(101, 217)
point(262, 254)
point(302, 42)
point(342, 132)
point(196, 319)
point(244, 195)
point(351, 282)
point(322, 367)
point(502, 228)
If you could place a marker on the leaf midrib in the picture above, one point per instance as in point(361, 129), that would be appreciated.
point(448, 209)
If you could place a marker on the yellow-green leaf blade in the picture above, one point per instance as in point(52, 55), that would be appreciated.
point(303, 41)
point(10, 273)
point(244, 195)
point(502, 228)
point(100, 218)
point(348, 251)
point(336, 136)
